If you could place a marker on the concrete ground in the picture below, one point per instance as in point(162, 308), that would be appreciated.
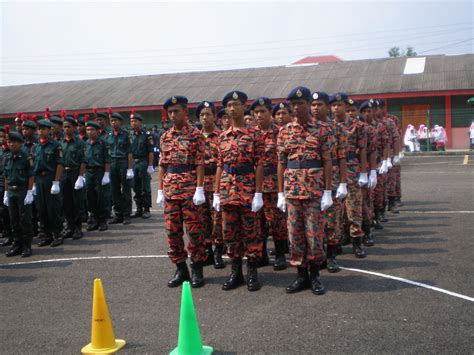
point(47, 299)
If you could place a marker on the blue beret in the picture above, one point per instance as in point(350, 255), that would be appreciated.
point(320, 96)
point(117, 116)
point(221, 113)
point(175, 100)
point(235, 95)
point(339, 96)
point(205, 104)
point(381, 102)
point(45, 123)
point(262, 101)
point(248, 112)
point(299, 92)
point(280, 106)
point(16, 137)
point(365, 105)
point(136, 116)
point(57, 120)
point(71, 120)
point(93, 124)
point(351, 102)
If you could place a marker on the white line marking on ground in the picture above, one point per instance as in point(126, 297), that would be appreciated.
point(438, 212)
point(414, 283)
point(419, 284)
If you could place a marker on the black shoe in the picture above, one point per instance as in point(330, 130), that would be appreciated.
point(57, 241)
point(181, 275)
point(27, 252)
point(367, 239)
point(338, 249)
point(252, 277)
point(92, 227)
point(116, 220)
point(236, 277)
point(218, 261)
point(210, 256)
point(197, 277)
point(15, 250)
point(103, 226)
point(316, 285)
point(67, 232)
point(357, 248)
point(126, 221)
point(280, 261)
point(7, 242)
point(138, 213)
point(146, 213)
point(77, 233)
point(45, 242)
point(264, 260)
point(301, 282)
point(382, 216)
point(377, 224)
point(392, 206)
point(331, 263)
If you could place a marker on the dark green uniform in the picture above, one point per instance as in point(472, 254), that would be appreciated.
point(97, 155)
point(73, 200)
point(18, 170)
point(142, 145)
point(30, 146)
point(48, 156)
point(4, 216)
point(107, 190)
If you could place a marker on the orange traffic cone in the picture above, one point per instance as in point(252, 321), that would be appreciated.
point(102, 336)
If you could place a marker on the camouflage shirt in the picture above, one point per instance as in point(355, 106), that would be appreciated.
point(210, 159)
point(270, 159)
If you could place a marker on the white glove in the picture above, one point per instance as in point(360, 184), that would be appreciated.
point(79, 183)
point(55, 188)
point(396, 160)
point(257, 202)
point(199, 197)
point(29, 197)
point(341, 190)
point(326, 201)
point(383, 168)
point(216, 201)
point(160, 198)
point(372, 179)
point(363, 179)
point(281, 203)
point(401, 155)
point(34, 189)
point(106, 178)
point(130, 174)
point(5, 198)
point(150, 170)
point(389, 164)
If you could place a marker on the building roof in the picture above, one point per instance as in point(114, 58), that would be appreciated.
point(361, 77)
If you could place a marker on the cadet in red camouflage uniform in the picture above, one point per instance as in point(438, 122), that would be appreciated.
point(394, 175)
point(239, 181)
point(333, 215)
point(356, 156)
point(304, 172)
point(281, 113)
point(180, 174)
point(272, 216)
point(205, 112)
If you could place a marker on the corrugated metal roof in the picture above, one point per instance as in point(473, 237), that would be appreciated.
point(363, 77)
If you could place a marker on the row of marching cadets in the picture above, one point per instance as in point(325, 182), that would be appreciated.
point(60, 172)
point(314, 172)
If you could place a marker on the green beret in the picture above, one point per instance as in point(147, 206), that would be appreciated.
point(71, 120)
point(57, 120)
point(45, 123)
point(93, 124)
point(30, 124)
point(16, 137)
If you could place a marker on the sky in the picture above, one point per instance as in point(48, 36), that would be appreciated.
point(65, 40)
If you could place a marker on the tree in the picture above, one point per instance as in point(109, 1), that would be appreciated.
point(394, 52)
point(410, 52)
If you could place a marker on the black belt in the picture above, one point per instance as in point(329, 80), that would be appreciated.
point(269, 170)
point(94, 168)
point(181, 168)
point(136, 160)
point(304, 164)
point(239, 169)
point(16, 188)
point(210, 170)
point(122, 158)
point(71, 168)
point(351, 155)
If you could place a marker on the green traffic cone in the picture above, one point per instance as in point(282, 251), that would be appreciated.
point(189, 338)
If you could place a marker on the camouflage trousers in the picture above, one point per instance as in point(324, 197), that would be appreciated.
point(379, 194)
point(353, 208)
point(271, 220)
point(306, 232)
point(213, 222)
point(185, 211)
point(367, 206)
point(394, 182)
point(240, 232)
point(333, 221)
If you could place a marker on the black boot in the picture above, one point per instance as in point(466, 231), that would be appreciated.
point(316, 286)
point(78, 232)
point(103, 226)
point(301, 282)
point(126, 220)
point(68, 232)
point(392, 205)
point(45, 241)
point(377, 224)
point(57, 240)
point(331, 263)
point(280, 261)
point(252, 277)
point(181, 275)
point(138, 213)
point(368, 238)
point(210, 255)
point(357, 248)
point(197, 277)
point(116, 220)
point(236, 277)
point(264, 260)
point(27, 252)
point(7, 242)
point(382, 217)
point(218, 261)
point(146, 213)
point(15, 250)
point(92, 224)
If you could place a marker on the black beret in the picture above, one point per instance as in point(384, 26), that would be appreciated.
point(45, 123)
point(102, 115)
point(221, 113)
point(280, 106)
point(248, 112)
point(136, 116)
point(71, 120)
point(351, 102)
point(205, 104)
point(235, 95)
point(365, 105)
point(262, 101)
point(299, 92)
point(320, 96)
point(175, 100)
point(339, 96)
point(57, 120)
point(16, 137)
point(81, 120)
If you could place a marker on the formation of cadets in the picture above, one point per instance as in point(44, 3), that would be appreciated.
point(314, 173)
point(60, 172)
